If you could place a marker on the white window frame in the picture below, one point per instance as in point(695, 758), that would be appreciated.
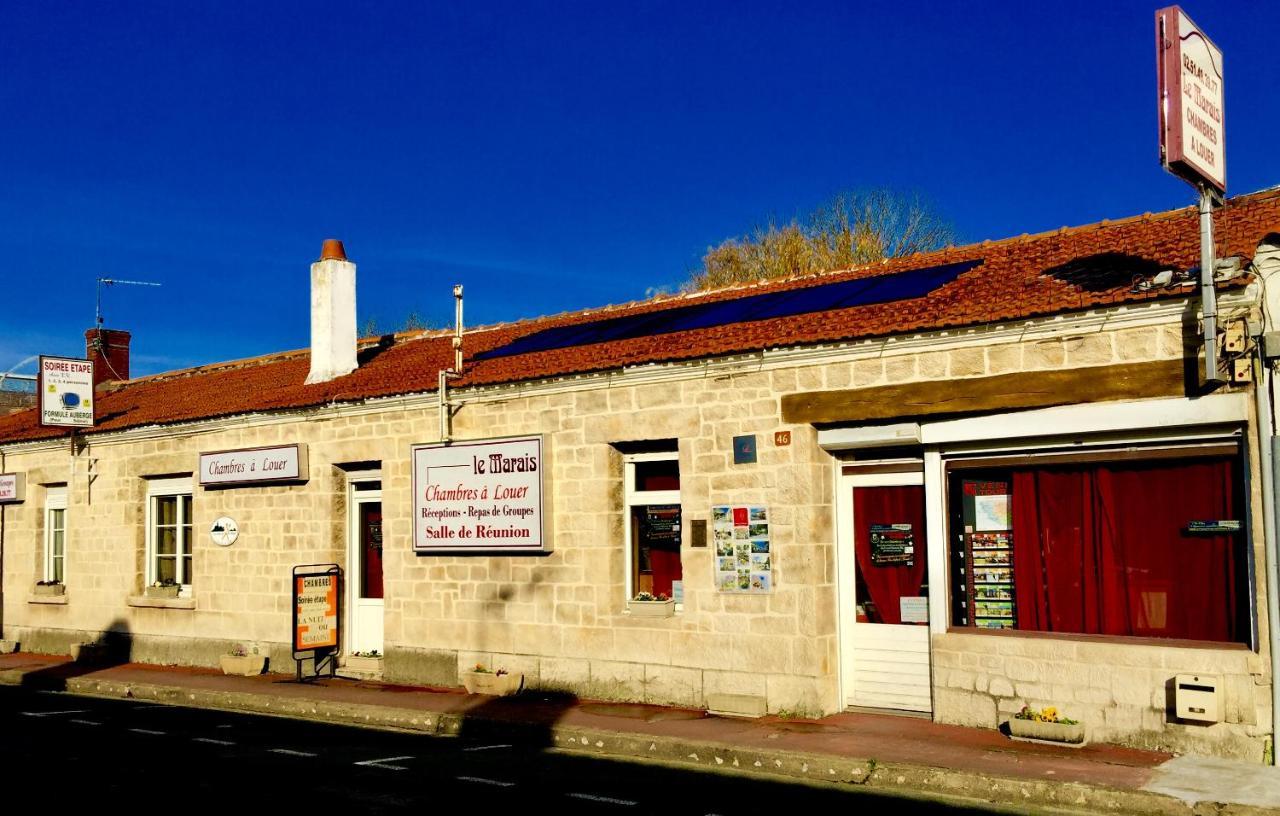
point(55, 500)
point(640, 498)
point(164, 488)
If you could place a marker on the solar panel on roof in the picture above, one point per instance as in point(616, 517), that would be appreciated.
point(788, 303)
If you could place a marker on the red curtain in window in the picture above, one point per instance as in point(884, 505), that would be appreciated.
point(887, 583)
point(1103, 549)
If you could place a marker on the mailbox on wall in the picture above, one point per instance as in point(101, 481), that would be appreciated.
point(1198, 697)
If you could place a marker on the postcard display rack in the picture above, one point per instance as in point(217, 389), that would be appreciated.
point(744, 549)
point(987, 552)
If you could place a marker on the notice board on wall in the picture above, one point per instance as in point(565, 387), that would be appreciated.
point(988, 553)
point(744, 548)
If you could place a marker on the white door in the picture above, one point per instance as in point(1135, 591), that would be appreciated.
point(364, 566)
point(884, 591)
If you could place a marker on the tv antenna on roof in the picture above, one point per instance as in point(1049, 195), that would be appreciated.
point(112, 282)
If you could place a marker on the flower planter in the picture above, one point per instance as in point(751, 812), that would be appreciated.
point(245, 665)
point(162, 591)
point(651, 609)
point(363, 664)
point(1060, 733)
point(49, 589)
point(499, 685)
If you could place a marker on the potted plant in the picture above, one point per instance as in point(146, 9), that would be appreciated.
point(648, 605)
point(1046, 725)
point(50, 588)
point(499, 683)
point(243, 661)
point(167, 588)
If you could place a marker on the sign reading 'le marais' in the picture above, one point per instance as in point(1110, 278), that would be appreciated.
point(483, 495)
point(1189, 69)
point(286, 463)
point(66, 392)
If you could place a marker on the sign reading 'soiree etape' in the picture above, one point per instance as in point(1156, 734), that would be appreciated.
point(480, 496)
point(66, 392)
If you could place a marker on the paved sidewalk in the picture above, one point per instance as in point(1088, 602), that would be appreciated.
point(883, 751)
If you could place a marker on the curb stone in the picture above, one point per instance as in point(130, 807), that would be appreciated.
point(891, 777)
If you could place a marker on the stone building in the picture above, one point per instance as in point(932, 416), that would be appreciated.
point(952, 484)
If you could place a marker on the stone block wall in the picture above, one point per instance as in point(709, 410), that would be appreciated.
point(1122, 692)
point(561, 619)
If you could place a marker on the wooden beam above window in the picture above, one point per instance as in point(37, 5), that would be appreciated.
point(1003, 392)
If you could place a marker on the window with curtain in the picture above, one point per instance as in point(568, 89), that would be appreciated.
point(652, 523)
point(1140, 548)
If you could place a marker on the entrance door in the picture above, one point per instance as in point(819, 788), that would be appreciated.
point(886, 661)
point(364, 570)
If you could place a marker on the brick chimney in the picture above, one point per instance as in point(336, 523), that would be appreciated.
point(109, 351)
point(333, 314)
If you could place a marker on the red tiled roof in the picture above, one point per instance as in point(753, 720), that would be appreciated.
point(1015, 280)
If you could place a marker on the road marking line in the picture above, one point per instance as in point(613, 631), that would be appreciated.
point(85, 722)
point(208, 741)
point(54, 713)
point(608, 800)
point(147, 731)
point(485, 747)
point(288, 752)
point(484, 781)
point(381, 763)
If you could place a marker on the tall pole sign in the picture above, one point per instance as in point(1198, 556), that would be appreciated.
point(1193, 141)
point(1189, 66)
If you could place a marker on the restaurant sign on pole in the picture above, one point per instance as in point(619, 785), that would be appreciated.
point(484, 495)
point(66, 392)
point(1189, 73)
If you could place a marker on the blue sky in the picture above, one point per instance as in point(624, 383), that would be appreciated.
point(549, 156)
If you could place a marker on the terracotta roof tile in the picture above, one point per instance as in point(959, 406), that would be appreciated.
point(1012, 282)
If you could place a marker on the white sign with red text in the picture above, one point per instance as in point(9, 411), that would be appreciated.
point(1192, 124)
point(66, 392)
point(285, 463)
point(13, 487)
point(479, 495)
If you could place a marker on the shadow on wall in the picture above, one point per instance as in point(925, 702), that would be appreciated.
point(113, 647)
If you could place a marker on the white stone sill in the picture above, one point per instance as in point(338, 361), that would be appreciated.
point(47, 599)
point(1112, 640)
point(161, 603)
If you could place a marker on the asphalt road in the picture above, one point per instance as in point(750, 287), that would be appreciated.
point(63, 751)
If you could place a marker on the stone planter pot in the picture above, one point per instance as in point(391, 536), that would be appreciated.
point(49, 589)
point(1071, 735)
point(245, 665)
point(162, 591)
point(363, 664)
point(499, 685)
point(651, 609)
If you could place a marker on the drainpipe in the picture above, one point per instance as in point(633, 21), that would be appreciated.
point(1208, 295)
point(1269, 453)
point(446, 374)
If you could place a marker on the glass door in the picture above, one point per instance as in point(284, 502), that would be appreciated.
point(887, 640)
point(364, 559)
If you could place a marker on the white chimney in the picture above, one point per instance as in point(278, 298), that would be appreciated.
point(333, 314)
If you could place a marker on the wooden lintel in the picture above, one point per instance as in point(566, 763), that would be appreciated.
point(972, 395)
